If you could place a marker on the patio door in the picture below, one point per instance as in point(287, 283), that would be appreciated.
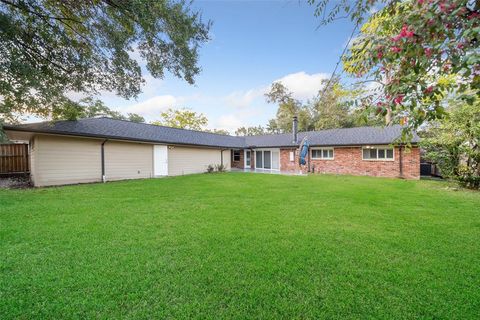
point(267, 159)
point(248, 159)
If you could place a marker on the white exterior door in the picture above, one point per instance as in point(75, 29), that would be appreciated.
point(160, 160)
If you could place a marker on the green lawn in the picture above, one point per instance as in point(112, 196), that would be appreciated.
point(241, 246)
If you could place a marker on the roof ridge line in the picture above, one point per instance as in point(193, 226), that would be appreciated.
point(153, 125)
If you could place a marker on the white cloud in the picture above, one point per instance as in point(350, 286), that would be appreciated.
point(152, 107)
point(229, 122)
point(243, 99)
point(303, 85)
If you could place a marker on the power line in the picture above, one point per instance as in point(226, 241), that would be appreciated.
point(339, 60)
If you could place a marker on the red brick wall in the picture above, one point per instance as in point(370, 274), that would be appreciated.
point(286, 164)
point(238, 164)
point(348, 160)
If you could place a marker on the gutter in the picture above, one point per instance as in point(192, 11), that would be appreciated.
point(98, 136)
point(103, 160)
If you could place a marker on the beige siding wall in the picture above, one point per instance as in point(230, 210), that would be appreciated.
point(59, 160)
point(64, 160)
point(125, 160)
point(33, 160)
point(187, 160)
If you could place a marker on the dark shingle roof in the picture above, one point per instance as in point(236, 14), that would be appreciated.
point(126, 130)
point(333, 137)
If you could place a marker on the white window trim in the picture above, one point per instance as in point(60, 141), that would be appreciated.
point(271, 151)
point(322, 158)
point(379, 147)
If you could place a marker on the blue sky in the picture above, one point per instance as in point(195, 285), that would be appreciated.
point(254, 43)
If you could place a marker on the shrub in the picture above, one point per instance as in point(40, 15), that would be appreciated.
point(210, 168)
point(220, 168)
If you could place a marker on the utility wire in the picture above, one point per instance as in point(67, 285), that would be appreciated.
point(338, 62)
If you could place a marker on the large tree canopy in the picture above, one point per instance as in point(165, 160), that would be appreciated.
point(420, 52)
point(453, 143)
point(50, 49)
point(333, 107)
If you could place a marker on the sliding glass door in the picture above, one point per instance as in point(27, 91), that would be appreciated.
point(259, 159)
point(267, 159)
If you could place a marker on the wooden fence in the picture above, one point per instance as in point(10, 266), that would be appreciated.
point(14, 158)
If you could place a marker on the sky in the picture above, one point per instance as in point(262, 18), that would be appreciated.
point(253, 44)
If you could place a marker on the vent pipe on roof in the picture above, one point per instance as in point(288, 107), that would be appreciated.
point(295, 129)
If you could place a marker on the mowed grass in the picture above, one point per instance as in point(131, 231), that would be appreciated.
point(238, 246)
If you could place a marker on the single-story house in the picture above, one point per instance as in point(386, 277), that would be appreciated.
point(104, 149)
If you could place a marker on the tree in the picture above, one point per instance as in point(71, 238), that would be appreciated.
point(421, 52)
point(272, 127)
point(454, 144)
point(336, 106)
point(90, 108)
point(218, 131)
point(135, 118)
point(250, 131)
point(182, 118)
point(288, 107)
point(332, 107)
point(49, 49)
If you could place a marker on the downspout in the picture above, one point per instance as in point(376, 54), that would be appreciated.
point(221, 156)
point(103, 161)
point(400, 155)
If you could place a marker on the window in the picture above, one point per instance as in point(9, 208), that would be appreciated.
point(292, 156)
point(324, 154)
point(377, 153)
point(236, 155)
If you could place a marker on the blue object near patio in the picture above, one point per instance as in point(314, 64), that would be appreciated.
point(304, 151)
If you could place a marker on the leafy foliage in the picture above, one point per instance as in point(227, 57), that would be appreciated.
point(89, 108)
point(220, 168)
point(183, 119)
point(49, 49)
point(454, 144)
point(210, 168)
point(333, 107)
point(218, 131)
point(186, 119)
point(422, 52)
point(250, 131)
point(135, 118)
point(287, 108)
